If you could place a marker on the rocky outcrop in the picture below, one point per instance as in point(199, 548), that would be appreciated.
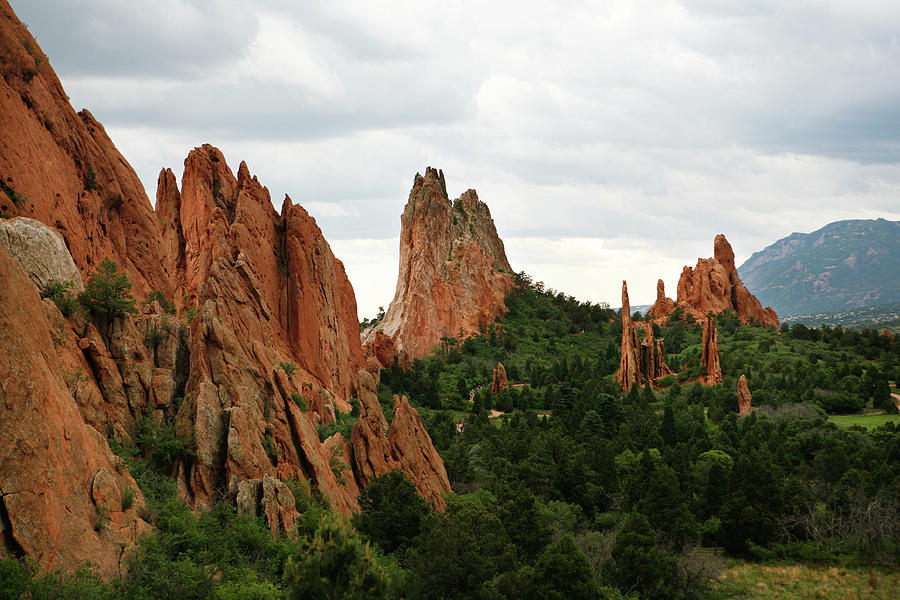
point(269, 498)
point(62, 169)
point(499, 381)
point(405, 446)
point(643, 361)
point(454, 275)
point(743, 396)
point(61, 488)
point(713, 286)
point(663, 305)
point(710, 352)
point(41, 251)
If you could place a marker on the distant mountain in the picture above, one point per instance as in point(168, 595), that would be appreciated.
point(846, 264)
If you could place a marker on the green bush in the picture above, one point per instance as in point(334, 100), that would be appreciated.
point(288, 367)
point(127, 498)
point(59, 292)
point(299, 401)
point(158, 296)
point(108, 293)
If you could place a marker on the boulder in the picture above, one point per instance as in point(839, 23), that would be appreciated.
point(499, 381)
point(41, 251)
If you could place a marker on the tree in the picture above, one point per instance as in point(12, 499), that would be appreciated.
point(562, 572)
point(636, 563)
point(335, 564)
point(107, 294)
point(391, 511)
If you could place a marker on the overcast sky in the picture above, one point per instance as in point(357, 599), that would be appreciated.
point(612, 140)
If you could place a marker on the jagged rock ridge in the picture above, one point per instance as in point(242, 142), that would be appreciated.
point(713, 285)
point(272, 350)
point(453, 275)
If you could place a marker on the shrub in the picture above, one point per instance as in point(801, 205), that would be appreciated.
point(391, 511)
point(108, 294)
point(153, 337)
point(127, 498)
point(58, 291)
point(269, 446)
point(299, 401)
point(102, 517)
point(288, 367)
point(90, 180)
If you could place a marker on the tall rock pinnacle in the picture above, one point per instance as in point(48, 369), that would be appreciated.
point(454, 274)
point(710, 354)
point(642, 361)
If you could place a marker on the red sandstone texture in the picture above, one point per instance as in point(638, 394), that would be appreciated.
point(454, 274)
point(744, 397)
point(713, 285)
point(57, 474)
point(643, 361)
point(499, 381)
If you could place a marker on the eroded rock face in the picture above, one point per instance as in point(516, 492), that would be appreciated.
point(713, 285)
point(60, 486)
point(663, 305)
point(710, 355)
point(62, 169)
point(499, 381)
point(744, 397)
point(454, 274)
point(41, 251)
point(643, 360)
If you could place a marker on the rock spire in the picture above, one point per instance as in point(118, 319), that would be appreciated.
point(643, 360)
point(710, 355)
point(744, 397)
point(453, 276)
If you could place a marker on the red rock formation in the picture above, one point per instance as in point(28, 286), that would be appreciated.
point(713, 285)
point(710, 356)
point(499, 381)
point(275, 321)
point(663, 305)
point(744, 397)
point(454, 275)
point(61, 168)
point(57, 475)
point(643, 361)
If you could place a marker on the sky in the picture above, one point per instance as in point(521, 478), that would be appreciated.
point(611, 139)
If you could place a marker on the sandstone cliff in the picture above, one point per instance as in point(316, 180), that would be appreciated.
point(643, 361)
point(713, 285)
point(62, 169)
point(264, 346)
point(454, 274)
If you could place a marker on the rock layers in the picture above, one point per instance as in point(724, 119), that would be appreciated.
point(744, 397)
point(713, 286)
point(643, 359)
point(454, 274)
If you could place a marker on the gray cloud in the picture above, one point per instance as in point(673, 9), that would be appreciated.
point(664, 122)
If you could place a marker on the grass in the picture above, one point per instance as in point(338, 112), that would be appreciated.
point(789, 582)
point(867, 421)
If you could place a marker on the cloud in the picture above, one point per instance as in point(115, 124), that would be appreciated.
point(585, 125)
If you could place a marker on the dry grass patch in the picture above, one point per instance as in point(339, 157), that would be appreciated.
point(796, 582)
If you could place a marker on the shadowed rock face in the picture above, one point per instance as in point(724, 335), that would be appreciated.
point(272, 350)
point(454, 274)
point(62, 169)
point(744, 397)
point(713, 285)
point(642, 361)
